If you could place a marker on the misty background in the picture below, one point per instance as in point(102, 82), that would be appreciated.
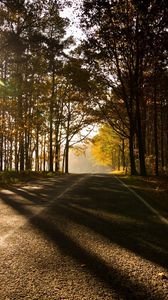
point(85, 163)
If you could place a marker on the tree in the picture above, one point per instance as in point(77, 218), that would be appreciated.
point(33, 38)
point(107, 148)
point(120, 35)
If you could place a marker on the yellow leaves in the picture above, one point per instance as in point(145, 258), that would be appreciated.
point(1, 83)
point(105, 145)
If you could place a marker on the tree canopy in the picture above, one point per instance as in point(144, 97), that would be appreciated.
point(51, 88)
point(125, 45)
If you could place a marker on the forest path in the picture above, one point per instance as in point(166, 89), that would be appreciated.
point(80, 237)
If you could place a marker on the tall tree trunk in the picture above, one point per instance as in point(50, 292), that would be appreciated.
point(44, 152)
point(138, 93)
point(131, 153)
point(141, 145)
point(26, 150)
point(119, 157)
point(162, 135)
point(166, 143)
point(21, 149)
point(123, 154)
point(51, 138)
point(67, 157)
point(1, 152)
point(37, 151)
point(63, 161)
point(51, 123)
point(67, 140)
point(57, 158)
point(57, 149)
point(5, 154)
point(132, 157)
point(16, 151)
point(20, 117)
point(21, 133)
point(3, 117)
point(139, 129)
point(11, 153)
point(156, 130)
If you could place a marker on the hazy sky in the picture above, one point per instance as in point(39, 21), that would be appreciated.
point(74, 30)
point(71, 13)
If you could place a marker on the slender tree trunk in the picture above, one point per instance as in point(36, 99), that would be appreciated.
point(26, 150)
point(16, 151)
point(21, 149)
point(51, 139)
point(166, 143)
point(139, 128)
point(1, 152)
point(138, 93)
point(2, 128)
point(119, 157)
point(162, 135)
point(156, 132)
point(5, 154)
point(21, 143)
point(141, 147)
point(51, 123)
point(123, 155)
point(2, 138)
point(57, 159)
point(20, 122)
point(67, 157)
point(63, 161)
point(44, 153)
point(37, 151)
point(67, 141)
point(11, 153)
point(57, 148)
point(131, 153)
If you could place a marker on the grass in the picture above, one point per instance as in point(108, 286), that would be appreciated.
point(153, 189)
point(13, 177)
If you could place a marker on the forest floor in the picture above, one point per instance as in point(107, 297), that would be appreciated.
point(154, 188)
point(13, 177)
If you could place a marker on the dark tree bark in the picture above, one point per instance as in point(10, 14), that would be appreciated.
point(57, 149)
point(51, 122)
point(67, 139)
point(37, 150)
point(131, 154)
point(1, 152)
point(156, 129)
point(162, 135)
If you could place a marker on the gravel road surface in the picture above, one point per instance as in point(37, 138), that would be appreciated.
point(80, 237)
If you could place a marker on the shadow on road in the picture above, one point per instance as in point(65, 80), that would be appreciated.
point(130, 229)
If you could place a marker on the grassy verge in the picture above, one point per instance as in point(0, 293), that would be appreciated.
point(13, 177)
point(153, 189)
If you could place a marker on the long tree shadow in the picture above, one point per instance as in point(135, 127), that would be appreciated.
point(133, 229)
point(130, 224)
point(40, 193)
point(141, 236)
point(156, 188)
point(112, 277)
point(147, 240)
